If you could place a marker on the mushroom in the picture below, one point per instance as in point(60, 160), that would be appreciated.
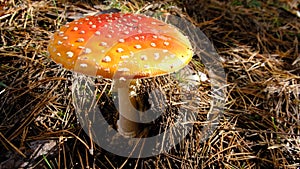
point(122, 47)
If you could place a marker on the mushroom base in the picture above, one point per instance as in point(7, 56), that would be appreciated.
point(127, 128)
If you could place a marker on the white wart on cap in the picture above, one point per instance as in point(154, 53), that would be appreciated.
point(123, 45)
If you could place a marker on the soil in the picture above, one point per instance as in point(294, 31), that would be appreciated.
point(257, 44)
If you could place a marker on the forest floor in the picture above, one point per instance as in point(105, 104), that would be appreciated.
point(258, 46)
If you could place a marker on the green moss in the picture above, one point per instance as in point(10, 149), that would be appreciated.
point(236, 3)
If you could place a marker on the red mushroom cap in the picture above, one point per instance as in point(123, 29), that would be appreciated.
point(126, 45)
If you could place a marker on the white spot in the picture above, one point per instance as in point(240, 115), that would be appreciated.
point(59, 42)
point(137, 46)
point(97, 33)
point(67, 26)
point(140, 31)
point(58, 54)
point(124, 57)
point(155, 37)
point(65, 38)
point(129, 24)
point(87, 19)
point(109, 36)
point(153, 44)
point(70, 54)
point(90, 22)
point(156, 56)
point(103, 43)
point(99, 76)
point(80, 47)
point(94, 26)
point(80, 40)
point(122, 79)
point(123, 69)
point(131, 53)
point(165, 51)
point(143, 57)
point(126, 32)
point(60, 33)
point(87, 50)
point(134, 20)
point(83, 65)
point(107, 70)
point(121, 40)
point(166, 43)
point(75, 28)
point(137, 38)
point(203, 77)
point(153, 23)
point(82, 32)
point(120, 50)
point(106, 59)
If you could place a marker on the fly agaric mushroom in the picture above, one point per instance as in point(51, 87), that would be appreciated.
point(121, 47)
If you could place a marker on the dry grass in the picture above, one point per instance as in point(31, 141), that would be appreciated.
point(258, 42)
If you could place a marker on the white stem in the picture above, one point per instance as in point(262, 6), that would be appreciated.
point(126, 127)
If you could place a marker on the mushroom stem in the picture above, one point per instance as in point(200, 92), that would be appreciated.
point(128, 125)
